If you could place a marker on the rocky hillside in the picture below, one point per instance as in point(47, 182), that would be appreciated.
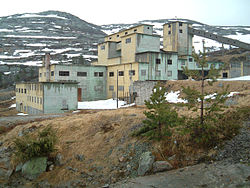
point(24, 38)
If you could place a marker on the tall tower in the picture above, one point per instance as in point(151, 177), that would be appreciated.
point(176, 38)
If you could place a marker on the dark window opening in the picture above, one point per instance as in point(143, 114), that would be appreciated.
point(169, 61)
point(110, 37)
point(98, 74)
point(158, 61)
point(117, 36)
point(224, 75)
point(128, 40)
point(82, 74)
point(169, 32)
point(135, 30)
point(52, 73)
point(180, 24)
point(169, 25)
point(126, 33)
point(131, 72)
point(180, 30)
point(63, 73)
point(121, 73)
point(111, 74)
point(190, 59)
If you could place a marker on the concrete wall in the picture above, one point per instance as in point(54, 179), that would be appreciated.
point(143, 90)
point(145, 43)
point(60, 97)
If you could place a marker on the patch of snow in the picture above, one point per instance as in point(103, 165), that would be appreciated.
point(38, 37)
point(232, 93)
point(41, 16)
point(13, 97)
point(22, 114)
point(101, 104)
point(13, 106)
point(36, 44)
point(77, 111)
point(6, 30)
point(173, 97)
point(242, 78)
point(6, 73)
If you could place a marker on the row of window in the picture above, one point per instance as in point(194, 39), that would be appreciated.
point(80, 74)
point(121, 73)
point(51, 74)
point(180, 24)
point(120, 88)
point(31, 87)
point(158, 73)
point(38, 100)
point(128, 40)
point(158, 61)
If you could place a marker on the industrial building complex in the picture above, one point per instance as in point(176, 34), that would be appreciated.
point(131, 55)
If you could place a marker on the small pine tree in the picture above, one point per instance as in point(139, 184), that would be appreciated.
point(160, 116)
point(203, 129)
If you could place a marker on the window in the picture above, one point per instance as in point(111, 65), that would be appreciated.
point(158, 61)
point(190, 59)
point(111, 88)
point(148, 27)
point(40, 74)
point(126, 33)
point(63, 73)
point(180, 30)
point(180, 24)
point(143, 72)
point(35, 87)
point(135, 30)
point(44, 74)
point(25, 91)
point(169, 73)
point(169, 32)
point(117, 36)
point(224, 74)
point(131, 72)
point(37, 100)
point(103, 47)
point(128, 40)
point(169, 25)
point(98, 74)
point(111, 74)
point(158, 73)
point(169, 61)
point(52, 73)
point(82, 74)
point(34, 99)
point(121, 73)
point(41, 100)
point(183, 63)
point(19, 90)
point(120, 88)
point(110, 38)
point(22, 90)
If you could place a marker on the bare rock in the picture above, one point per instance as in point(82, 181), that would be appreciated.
point(161, 166)
point(145, 163)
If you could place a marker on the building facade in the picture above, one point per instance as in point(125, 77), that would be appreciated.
point(46, 97)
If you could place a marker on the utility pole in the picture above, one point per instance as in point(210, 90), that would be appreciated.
point(202, 81)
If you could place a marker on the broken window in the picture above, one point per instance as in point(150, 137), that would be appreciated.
point(98, 74)
point(111, 88)
point(169, 73)
point(158, 61)
point(82, 74)
point(180, 30)
point(180, 24)
point(128, 40)
point(111, 74)
point(169, 61)
point(143, 72)
point(131, 72)
point(224, 75)
point(52, 73)
point(169, 32)
point(63, 73)
point(121, 73)
point(190, 59)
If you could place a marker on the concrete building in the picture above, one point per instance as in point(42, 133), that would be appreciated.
point(46, 97)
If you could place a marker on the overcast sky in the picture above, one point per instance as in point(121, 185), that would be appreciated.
point(212, 12)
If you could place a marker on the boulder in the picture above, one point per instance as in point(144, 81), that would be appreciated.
point(145, 163)
point(160, 166)
point(34, 167)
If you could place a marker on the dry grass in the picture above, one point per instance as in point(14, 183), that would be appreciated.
point(93, 133)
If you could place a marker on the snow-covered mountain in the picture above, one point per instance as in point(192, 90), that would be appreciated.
point(24, 38)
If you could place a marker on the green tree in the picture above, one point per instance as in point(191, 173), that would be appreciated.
point(160, 116)
point(210, 105)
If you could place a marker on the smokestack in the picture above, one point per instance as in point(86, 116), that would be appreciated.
point(47, 66)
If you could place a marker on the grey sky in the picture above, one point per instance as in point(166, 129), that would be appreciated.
point(212, 12)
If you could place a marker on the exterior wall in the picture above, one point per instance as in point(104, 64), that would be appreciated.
point(43, 74)
point(113, 50)
point(145, 43)
point(143, 90)
point(160, 70)
point(128, 49)
point(103, 50)
point(92, 87)
point(117, 37)
point(60, 97)
point(29, 98)
point(176, 38)
point(125, 81)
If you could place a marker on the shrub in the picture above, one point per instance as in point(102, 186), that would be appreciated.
point(30, 146)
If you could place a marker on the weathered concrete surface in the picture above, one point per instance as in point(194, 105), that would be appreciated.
point(215, 175)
